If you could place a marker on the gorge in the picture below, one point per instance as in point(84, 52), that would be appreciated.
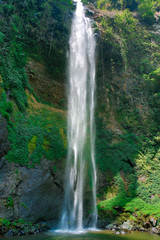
point(112, 174)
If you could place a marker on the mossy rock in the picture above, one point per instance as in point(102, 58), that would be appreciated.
point(111, 192)
point(123, 217)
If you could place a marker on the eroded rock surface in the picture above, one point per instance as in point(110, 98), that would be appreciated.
point(31, 194)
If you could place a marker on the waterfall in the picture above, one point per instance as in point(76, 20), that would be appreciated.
point(81, 127)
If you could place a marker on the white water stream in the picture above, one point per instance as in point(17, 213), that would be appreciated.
point(81, 127)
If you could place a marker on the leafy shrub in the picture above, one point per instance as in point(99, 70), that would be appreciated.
point(146, 11)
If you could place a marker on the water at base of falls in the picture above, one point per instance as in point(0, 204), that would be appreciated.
point(81, 167)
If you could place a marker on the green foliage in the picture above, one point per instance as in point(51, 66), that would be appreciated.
point(129, 43)
point(147, 165)
point(10, 202)
point(146, 10)
point(124, 153)
point(5, 222)
point(22, 21)
point(115, 156)
point(24, 205)
point(2, 37)
point(6, 107)
point(130, 206)
point(13, 61)
point(32, 144)
point(28, 135)
point(133, 40)
point(138, 191)
point(17, 226)
point(103, 4)
point(117, 4)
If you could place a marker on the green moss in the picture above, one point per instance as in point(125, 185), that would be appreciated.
point(46, 144)
point(32, 144)
point(6, 107)
point(17, 226)
point(35, 136)
point(121, 154)
point(63, 136)
point(9, 202)
point(24, 205)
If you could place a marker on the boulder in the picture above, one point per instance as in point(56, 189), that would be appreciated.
point(154, 230)
point(153, 221)
point(101, 223)
point(109, 226)
point(128, 225)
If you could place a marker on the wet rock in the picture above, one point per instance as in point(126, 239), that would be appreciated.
point(109, 226)
point(22, 232)
point(32, 230)
point(119, 230)
point(9, 233)
point(15, 232)
point(44, 226)
point(146, 225)
point(154, 230)
point(101, 223)
point(37, 193)
point(153, 221)
point(128, 225)
point(26, 230)
point(123, 232)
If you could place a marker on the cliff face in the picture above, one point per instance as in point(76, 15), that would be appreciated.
point(35, 195)
point(33, 105)
point(33, 141)
point(127, 146)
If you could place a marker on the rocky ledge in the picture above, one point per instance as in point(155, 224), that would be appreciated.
point(152, 226)
point(21, 228)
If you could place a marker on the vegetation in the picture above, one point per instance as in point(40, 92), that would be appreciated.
point(35, 135)
point(20, 22)
point(128, 97)
point(32, 135)
point(127, 143)
point(18, 227)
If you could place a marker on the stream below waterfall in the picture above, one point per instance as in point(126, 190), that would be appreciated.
point(101, 235)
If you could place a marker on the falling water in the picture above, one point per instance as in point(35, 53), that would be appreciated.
point(81, 127)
